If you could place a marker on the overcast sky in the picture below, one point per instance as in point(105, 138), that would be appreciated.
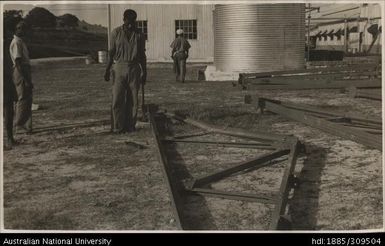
point(92, 13)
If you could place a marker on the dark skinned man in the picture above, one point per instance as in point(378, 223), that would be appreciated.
point(127, 65)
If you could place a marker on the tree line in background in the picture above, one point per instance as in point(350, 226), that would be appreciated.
point(42, 18)
point(57, 36)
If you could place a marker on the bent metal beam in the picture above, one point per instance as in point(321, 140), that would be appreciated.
point(359, 136)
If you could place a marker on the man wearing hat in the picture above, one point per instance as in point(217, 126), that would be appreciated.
point(180, 47)
point(127, 59)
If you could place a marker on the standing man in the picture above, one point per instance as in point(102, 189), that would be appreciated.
point(180, 47)
point(9, 90)
point(127, 52)
point(21, 75)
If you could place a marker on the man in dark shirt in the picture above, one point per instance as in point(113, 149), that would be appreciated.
point(180, 48)
point(128, 61)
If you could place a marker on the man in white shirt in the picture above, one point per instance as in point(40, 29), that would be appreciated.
point(179, 53)
point(21, 76)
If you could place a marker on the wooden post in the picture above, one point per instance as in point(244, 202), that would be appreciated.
point(109, 25)
point(346, 36)
point(308, 35)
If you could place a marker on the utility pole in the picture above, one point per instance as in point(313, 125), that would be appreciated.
point(308, 41)
point(109, 25)
point(308, 34)
point(346, 35)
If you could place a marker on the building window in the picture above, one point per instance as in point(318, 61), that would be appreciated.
point(142, 26)
point(189, 28)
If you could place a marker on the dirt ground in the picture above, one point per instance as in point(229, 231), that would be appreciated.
point(84, 178)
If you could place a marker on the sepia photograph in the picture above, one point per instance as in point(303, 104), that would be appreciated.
point(172, 116)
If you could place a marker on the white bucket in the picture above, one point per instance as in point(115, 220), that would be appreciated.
point(102, 56)
point(89, 60)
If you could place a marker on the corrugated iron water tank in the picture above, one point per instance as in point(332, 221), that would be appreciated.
point(259, 37)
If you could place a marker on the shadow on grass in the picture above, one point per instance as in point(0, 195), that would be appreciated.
point(196, 214)
point(304, 203)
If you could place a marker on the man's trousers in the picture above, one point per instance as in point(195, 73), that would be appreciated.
point(125, 87)
point(23, 84)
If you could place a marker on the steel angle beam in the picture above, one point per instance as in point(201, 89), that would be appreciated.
point(354, 92)
point(359, 136)
point(258, 162)
point(282, 148)
point(279, 200)
point(334, 68)
point(313, 76)
point(344, 63)
point(191, 135)
point(322, 70)
point(369, 130)
point(268, 199)
point(222, 143)
point(259, 136)
point(286, 185)
point(70, 126)
point(348, 116)
point(305, 84)
point(176, 200)
point(316, 111)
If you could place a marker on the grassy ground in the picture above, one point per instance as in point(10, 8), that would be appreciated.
point(84, 178)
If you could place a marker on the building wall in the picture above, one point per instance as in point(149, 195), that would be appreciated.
point(161, 28)
point(371, 11)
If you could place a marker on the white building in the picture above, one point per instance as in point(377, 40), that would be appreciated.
point(162, 20)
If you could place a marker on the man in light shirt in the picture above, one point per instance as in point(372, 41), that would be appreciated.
point(179, 53)
point(127, 63)
point(9, 90)
point(21, 75)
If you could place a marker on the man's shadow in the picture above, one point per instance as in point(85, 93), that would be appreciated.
point(304, 203)
point(196, 214)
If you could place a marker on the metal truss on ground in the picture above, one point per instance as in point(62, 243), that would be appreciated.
point(335, 77)
point(366, 131)
point(280, 145)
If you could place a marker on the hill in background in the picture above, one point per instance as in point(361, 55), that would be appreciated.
point(86, 27)
point(59, 36)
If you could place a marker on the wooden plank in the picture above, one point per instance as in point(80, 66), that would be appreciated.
point(253, 163)
point(176, 200)
point(285, 188)
point(259, 136)
point(358, 136)
point(269, 199)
